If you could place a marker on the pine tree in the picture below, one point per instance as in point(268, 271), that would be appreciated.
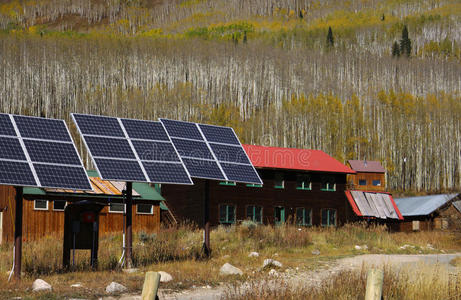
point(330, 39)
point(405, 43)
point(395, 50)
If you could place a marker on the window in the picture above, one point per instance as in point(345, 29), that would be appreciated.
point(116, 208)
point(254, 213)
point(254, 185)
point(377, 182)
point(226, 214)
point(328, 183)
point(279, 216)
point(144, 209)
point(279, 182)
point(303, 216)
point(41, 205)
point(231, 183)
point(328, 217)
point(303, 182)
point(362, 182)
point(59, 205)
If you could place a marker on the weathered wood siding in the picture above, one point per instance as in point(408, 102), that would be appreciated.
point(186, 202)
point(369, 177)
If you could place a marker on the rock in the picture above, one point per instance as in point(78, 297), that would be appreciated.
point(273, 272)
point(165, 277)
point(208, 287)
point(130, 270)
point(228, 269)
point(272, 262)
point(253, 254)
point(365, 247)
point(76, 285)
point(357, 247)
point(40, 286)
point(315, 252)
point(276, 254)
point(115, 287)
point(226, 256)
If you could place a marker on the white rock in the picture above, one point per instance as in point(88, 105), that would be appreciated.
point(315, 252)
point(271, 262)
point(228, 269)
point(40, 286)
point(165, 277)
point(115, 287)
point(253, 254)
point(273, 272)
point(357, 247)
point(76, 285)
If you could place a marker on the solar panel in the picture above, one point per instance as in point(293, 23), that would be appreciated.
point(131, 150)
point(39, 152)
point(211, 152)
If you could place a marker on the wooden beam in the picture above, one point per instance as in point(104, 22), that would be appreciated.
point(374, 284)
point(18, 234)
point(129, 224)
point(150, 287)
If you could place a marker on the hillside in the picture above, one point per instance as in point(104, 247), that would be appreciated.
point(263, 67)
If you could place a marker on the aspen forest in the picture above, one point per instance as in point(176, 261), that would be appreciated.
point(264, 67)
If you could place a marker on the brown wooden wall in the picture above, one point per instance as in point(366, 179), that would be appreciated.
point(39, 223)
point(186, 202)
point(369, 177)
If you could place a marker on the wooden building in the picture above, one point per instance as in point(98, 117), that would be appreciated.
point(302, 186)
point(369, 176)
point(432, 212)
point(43, 212)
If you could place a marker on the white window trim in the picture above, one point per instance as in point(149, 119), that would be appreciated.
point(117, 212)
point(65, 205)
point(143, 213)
point(38, 208)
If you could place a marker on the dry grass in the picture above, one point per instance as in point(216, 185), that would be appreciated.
point(177, 251)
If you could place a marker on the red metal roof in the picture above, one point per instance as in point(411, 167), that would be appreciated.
point(294, 159)
point(366, 166)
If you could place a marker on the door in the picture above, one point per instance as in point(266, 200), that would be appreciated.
point(1, 227)
point(279, 216)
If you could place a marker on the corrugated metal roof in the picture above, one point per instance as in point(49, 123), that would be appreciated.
point(373, 204)
point(371, 166)
point(457, 205)
point(294, 159)
point(422, 205)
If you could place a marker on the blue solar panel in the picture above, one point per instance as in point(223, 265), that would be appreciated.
point(124, 170)
point(227, 153)
point(98, 125)
point(167, 172)
point(159, 151)
point(195, 149)
point(53, 176)
point(10, 148)
point(218, 134)
point(182, 129)
point(16, 173)
point(109, 147)
point(207, 169)
point(52, 152)
point(6, 127)
point(41, 128)
point(146, 130)
point(241, 173)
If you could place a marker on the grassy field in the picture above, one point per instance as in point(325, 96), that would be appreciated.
point(177, 251)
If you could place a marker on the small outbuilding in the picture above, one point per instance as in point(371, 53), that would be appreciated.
point(369, 176)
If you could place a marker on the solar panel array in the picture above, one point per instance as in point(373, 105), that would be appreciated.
point(39, 152)
point(211, 152)
point(131, 150)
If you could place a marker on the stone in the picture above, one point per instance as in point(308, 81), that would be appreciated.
point(165, 277)
point(253, 254)
point(272, 262)
point(357, 247)
point(315, 252)
point(228, 269)
point(76, 285)
point(115, 287)
point(41, 286)
point(273, 272)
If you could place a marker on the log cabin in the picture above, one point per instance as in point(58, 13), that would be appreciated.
point(368, 176)
point(43, 212)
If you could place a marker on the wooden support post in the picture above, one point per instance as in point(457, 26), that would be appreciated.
point(206, 220)
point(150, 287)
point(374, 284)
point(128, 224)
point(18, 234)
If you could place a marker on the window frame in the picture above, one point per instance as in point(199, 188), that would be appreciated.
point(117, 212)
point(144, 213)
point(254, 213)
point(304, 216)
point(227, 205)
point(255, 185)
point(361, 181)
point(39, 208)
point(279, 176)
point(328, 180)
point(378, 180)
point(65, 205)
point(328, 217)
point(282, 214)
point(303, 187)
point(228, 183)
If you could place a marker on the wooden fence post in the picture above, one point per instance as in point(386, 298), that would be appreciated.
point(374, 284)
point(150, 288)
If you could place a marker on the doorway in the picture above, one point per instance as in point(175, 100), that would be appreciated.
point(279, 216)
